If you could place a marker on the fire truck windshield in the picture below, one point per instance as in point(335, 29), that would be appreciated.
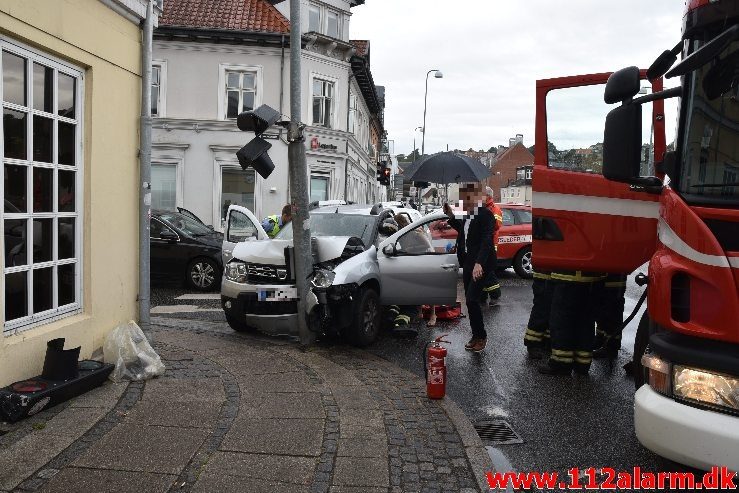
point(710, 125)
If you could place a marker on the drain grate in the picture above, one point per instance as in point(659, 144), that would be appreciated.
point(497, 432)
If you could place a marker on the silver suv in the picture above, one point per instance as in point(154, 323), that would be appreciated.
point(359, 265)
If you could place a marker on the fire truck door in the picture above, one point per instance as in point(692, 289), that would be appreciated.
point(581, 220)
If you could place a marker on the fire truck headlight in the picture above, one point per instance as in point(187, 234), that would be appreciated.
point(657, 373)
point(714, 389)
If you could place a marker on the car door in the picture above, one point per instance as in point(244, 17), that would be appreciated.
point(241, 225)
point(164, 251)
point(412, 272)
point(581, 220)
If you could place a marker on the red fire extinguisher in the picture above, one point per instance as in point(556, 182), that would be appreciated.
point(434, 365)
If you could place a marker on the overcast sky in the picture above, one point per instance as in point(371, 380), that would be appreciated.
point(491, 53)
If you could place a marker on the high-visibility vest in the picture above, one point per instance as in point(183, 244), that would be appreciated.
point(498, 214)
point(275, 220)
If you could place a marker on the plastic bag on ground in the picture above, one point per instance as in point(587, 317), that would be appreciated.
point(127, 348)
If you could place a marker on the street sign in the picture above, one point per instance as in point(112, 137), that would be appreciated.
point(399, 195)
point(413, 191)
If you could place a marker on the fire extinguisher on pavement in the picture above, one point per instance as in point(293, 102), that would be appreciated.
point(434, 365)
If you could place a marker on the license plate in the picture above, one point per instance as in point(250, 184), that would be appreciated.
point(282, 294)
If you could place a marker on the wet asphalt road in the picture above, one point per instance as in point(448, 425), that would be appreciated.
point(564, 422)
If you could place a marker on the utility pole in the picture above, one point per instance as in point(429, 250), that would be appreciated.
point(145, 173)
point(299, 178)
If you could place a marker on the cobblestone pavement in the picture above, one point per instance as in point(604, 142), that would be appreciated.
point(246, 413)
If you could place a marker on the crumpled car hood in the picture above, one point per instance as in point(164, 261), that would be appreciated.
point(272, 252)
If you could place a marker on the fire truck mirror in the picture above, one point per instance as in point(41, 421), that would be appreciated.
point(622, 143)
point(622, 85)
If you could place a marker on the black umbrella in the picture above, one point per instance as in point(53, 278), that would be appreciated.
point(446, 167)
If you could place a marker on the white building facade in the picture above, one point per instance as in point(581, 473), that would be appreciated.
point(204, 77)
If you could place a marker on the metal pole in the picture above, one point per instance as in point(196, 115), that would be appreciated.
point(299, 178)
point(423, 129)
point(145, 172)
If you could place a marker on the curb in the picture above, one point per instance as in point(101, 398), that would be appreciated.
point(474, 449)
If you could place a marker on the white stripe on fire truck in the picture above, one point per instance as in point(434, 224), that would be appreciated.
point(595, 205)
point(734, 262)
point(671, 240)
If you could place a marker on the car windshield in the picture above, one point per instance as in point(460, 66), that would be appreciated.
point(524, 216)
point(710, 156)
point(357, 225)
point(185, 224)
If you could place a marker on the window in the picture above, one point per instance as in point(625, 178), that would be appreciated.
point(237, 188)
point(417, 241)
point(241, 91)
point(318, 188)
point(314, 18)
point(158, 81)
point(508, 219)
point(163, 187)
point(240, 228)
point(352, 114)
point(323, 100)
point(41, 161)
point(156, 227)
point(332, 24)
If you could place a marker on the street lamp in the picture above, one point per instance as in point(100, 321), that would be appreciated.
point(414, 141)
point(438, 75)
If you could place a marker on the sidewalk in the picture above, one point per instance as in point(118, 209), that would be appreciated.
point(238, 413)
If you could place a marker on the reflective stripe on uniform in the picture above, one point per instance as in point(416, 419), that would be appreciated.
point(576, 277)
point(533, 335)
point(563, 356)
point(615, 284)
point(584, 357)
point(403, 318)
point(491, 288)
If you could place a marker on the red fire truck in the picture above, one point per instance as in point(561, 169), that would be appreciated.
point(614, 204)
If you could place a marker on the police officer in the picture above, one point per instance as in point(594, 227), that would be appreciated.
point(609, 317)
point(274, 223)
point(537, 336)
point(574, 297)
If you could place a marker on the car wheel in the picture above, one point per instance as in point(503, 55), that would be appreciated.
point(203, 274)
point(522, 263)
point(365, 325)
point(237, 324)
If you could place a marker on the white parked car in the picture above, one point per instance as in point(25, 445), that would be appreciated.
point(360, 264)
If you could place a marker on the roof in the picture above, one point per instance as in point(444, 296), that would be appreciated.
point(362, 46)
point(518, 152)
point(237, 15)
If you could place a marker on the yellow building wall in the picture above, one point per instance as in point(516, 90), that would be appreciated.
point(107, 47)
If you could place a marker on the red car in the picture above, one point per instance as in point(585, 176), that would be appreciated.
point(514, 240)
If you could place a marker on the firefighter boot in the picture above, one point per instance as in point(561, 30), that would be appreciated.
point(560, 363)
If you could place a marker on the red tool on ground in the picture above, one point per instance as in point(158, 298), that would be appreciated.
point(434, 365)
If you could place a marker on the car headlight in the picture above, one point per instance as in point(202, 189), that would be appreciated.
point(236, 271)
point(323, 278)
point(706, 387)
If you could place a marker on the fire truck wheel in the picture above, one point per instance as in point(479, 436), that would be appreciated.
point(365, 325)
point(238, 325)
point(640, 347)
point(522, 263)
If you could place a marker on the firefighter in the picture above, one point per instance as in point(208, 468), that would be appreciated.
point(492, 284)
point(274, 223)
point(574, 297)
point(537, 337)
point(609, 317)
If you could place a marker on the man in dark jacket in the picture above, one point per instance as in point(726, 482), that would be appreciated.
point(474, 247)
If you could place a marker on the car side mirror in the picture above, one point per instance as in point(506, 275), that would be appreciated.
point(622, 143)
point(168, 236)
point(389, 250)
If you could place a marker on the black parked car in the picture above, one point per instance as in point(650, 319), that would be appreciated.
point(182, 245)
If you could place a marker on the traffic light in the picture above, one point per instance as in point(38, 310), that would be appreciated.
point(254, 154)
point(383, 173)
